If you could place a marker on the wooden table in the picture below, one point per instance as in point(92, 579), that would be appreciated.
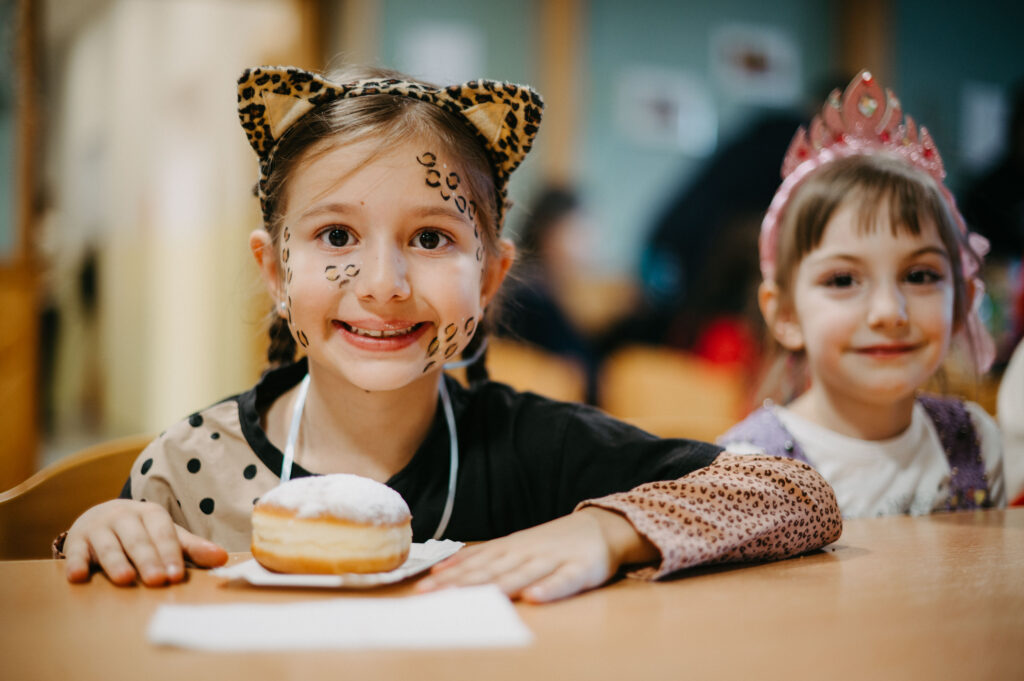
point(939, 597)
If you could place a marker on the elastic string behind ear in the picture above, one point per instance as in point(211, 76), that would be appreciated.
point(282, 348)
point(476, 371)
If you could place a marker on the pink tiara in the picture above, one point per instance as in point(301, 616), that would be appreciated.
point(867, 120)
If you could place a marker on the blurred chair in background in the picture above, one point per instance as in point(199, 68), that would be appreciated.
point(672, 393)
point(37, 510)
point(528, 368)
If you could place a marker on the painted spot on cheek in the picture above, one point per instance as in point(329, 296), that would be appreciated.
point(450, 350)
point(351, 270)
point(429, 364)
point(432, 348)
point(449, 332)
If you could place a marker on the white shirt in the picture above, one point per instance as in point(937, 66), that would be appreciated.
point(905, 474)
point(1010, 407)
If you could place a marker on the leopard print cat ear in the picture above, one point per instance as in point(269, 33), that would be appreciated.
point(504, 116)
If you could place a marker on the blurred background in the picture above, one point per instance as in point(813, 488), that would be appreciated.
point(128, 294)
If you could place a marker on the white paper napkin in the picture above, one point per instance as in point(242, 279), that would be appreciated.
point(474, 617)
point(421, 557)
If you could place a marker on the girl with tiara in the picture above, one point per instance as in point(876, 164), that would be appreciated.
point(869, 275)
point(383, 200)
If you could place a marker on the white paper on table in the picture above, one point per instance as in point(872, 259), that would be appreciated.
point(473, 617)
point(421, 557)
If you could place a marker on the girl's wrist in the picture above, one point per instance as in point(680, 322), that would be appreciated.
point(625, 545)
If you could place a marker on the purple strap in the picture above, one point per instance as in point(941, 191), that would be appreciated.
point(764, 429)
point(968, 482)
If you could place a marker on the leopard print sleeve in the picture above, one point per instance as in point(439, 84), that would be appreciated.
point(740, 508)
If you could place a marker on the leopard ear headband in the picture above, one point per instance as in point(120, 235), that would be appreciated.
point(503, 116)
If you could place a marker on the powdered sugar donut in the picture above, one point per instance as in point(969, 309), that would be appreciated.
point(331, 524)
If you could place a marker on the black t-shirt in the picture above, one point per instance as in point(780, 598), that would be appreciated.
point(523, 459)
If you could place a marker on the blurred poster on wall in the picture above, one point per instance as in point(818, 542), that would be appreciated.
point(443, 52)
point(984, 117)
point(756, 64)
point(667, 109)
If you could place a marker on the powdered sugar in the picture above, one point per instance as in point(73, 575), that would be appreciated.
point(350, 497)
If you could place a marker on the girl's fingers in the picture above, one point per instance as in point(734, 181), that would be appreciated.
point(569, 579)
point(160, 528)
point(202, 552)
point(108, 552)
point(138, 545)
point(76, 553)
point(515, 581)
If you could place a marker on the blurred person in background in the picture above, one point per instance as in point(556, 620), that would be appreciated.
point(537, 309)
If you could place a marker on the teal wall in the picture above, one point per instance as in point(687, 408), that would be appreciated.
point(626, 184)
point(8, 234)
point(939, 46)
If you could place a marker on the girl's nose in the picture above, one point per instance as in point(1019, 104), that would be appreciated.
point(384, 276)
point(888, 307)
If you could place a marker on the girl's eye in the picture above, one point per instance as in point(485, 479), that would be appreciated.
point(337, 237)
point(839, 280)
point(430, 239)
point(923, 275)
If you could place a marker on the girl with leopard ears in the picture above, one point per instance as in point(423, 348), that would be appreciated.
point(383, 200)
point(488, 126)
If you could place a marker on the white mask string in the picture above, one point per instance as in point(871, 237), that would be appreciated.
point(449, 415)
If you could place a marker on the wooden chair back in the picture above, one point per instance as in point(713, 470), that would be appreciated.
point(672, 393)
point(35, 511)
point(527, 368)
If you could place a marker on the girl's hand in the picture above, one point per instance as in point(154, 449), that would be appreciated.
point(557, 559)
point(134, 538)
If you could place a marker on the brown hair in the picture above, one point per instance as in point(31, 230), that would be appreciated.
point(873, 183)
point(393, 121)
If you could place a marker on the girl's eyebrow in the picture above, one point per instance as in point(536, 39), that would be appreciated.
point(928, 250)
point(336, 208)
point(439, 211)
point(327, 208)
point(924, 250)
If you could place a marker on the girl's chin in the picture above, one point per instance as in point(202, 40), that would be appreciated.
point(385, 379)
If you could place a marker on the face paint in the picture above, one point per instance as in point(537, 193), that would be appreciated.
point(432, 348)
point(470, 326)
point(351, 270)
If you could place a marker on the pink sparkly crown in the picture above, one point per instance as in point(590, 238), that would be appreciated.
point(867, 120)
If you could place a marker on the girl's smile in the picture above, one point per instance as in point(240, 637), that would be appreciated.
point(381, 336)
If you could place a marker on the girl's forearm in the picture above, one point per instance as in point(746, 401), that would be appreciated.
point(740, 508)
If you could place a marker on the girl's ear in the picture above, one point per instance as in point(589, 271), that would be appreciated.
point(262, 246)
point(780, 317)
point(497, 268)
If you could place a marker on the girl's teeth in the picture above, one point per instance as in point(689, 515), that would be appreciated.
point(381, 334)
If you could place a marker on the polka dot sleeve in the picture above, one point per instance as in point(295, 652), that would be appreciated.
point(740, 508)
